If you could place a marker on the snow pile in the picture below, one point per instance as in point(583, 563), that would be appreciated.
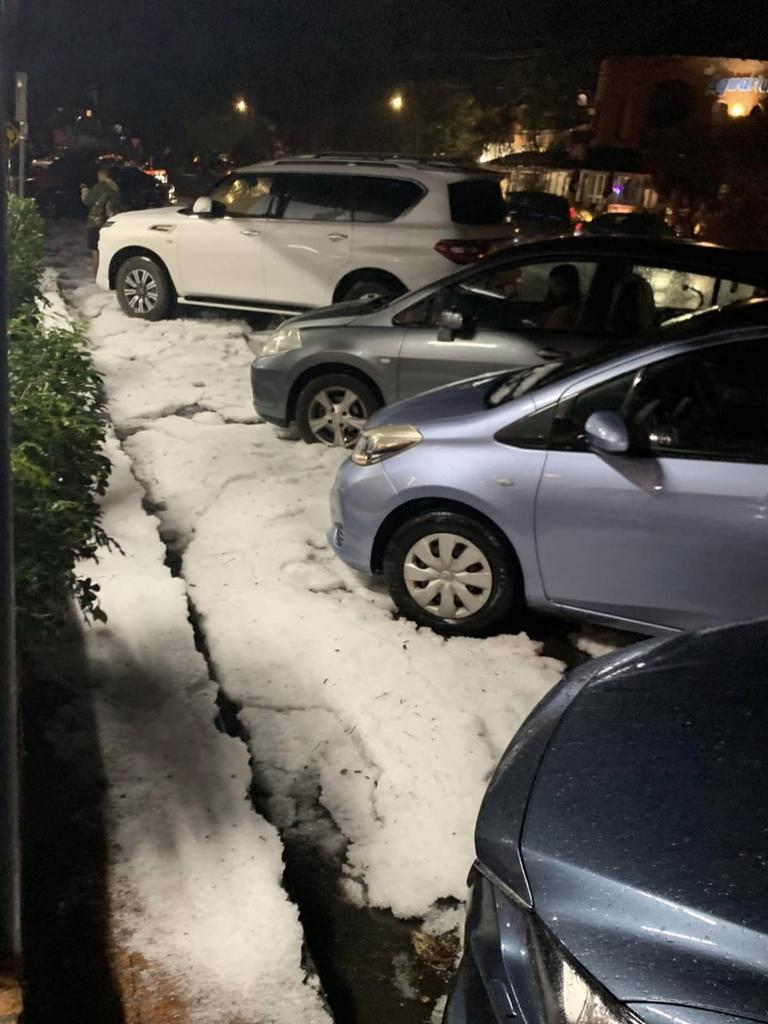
point(198, 872)
point(394, 729)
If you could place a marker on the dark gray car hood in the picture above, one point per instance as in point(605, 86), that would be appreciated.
point(646, 835)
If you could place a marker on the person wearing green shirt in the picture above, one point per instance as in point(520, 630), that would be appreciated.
point(103, 202)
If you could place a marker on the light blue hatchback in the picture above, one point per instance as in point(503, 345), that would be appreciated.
point(631, 491)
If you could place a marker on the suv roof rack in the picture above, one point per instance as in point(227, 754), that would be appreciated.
point(385, 160)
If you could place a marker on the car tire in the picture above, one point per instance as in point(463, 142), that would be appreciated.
point(370, 288)
point(323, 398)
point(479, 609)
point(143, 289)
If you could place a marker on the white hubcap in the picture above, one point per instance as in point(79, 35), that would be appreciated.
point(336, 416)
point(448, 576)
point(140, 290)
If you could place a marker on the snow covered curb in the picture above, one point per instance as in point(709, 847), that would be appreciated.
point(198, 873)
point(195, 875)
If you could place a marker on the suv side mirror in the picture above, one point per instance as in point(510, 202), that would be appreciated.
point(203, 206)
point(607, 432)
point(449, 324)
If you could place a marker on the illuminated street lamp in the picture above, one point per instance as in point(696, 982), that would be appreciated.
point(396, 102)
point(737, 110)
point(241, 106)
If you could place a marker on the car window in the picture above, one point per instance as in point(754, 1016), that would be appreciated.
point(711, 404)
point(676, 292)
point(477, 201)
point(320, 197)
point(551, 296)
point(246, 195)
point(376, 200)
point(708, 404)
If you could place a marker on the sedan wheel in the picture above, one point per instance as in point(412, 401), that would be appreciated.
point(455, 574)
point(333, 410)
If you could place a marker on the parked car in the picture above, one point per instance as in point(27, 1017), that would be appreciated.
point(294, 234)
point(540, 214)
point(631, 490)
point(646, 225)
point(56, 188)
point(328, 371)
point(621, 846)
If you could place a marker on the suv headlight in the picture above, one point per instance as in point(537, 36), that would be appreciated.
point(377, 443)
point(284, 339)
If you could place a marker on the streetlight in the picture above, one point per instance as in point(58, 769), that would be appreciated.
point(737, 110)
point(241, 106)
point(396, 102)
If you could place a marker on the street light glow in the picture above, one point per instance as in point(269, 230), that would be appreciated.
point(396, 102)
point(737, 110)
point(241, 106)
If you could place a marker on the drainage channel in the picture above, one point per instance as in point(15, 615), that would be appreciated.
point(364, 958)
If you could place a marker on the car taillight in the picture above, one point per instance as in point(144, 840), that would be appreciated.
point(465, 250)
point(572, 213)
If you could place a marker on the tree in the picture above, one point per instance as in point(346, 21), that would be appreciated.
point(438, 118)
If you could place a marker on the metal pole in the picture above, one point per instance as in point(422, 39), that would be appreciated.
point(21, 80)
point(10, 923)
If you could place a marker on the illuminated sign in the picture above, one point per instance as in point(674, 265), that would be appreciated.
point(754, 84)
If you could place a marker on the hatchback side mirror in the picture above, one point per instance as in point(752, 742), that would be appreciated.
point(203, 206)
point(607, 432)
point(449, 323)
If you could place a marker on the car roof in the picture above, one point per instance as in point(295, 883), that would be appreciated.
point(740, 320)
point(702, 257)
point(420, 168)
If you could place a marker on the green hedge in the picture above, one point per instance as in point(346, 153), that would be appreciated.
point(58, 425)
point(24, 228)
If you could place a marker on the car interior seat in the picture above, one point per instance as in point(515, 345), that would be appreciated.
point(632, 307)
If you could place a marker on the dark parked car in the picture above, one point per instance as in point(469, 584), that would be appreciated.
point(540, 214)
point(644, 225)
point(622, 846)
point(56, 188)
point(328, 370)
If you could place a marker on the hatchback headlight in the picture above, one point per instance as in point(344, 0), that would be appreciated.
point(377, 443)
point(285, 339)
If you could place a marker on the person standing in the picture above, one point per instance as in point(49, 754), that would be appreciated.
point(103, 201)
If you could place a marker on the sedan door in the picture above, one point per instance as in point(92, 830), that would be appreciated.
point(221, 256)
point(675, 532)
point(512, 315)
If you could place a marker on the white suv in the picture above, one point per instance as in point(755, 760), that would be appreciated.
point(293, 234)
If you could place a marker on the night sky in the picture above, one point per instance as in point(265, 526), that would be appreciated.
point(152, 58)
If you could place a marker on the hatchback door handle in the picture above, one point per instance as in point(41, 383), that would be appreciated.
point(553, 353)
point(250, 231)
point(336, 237)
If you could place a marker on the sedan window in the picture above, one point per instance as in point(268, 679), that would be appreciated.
point(675, 292)
point(549, 296)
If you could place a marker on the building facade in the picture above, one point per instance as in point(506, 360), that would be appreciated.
point(640, 98)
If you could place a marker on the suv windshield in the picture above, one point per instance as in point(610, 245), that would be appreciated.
point(477, 201)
